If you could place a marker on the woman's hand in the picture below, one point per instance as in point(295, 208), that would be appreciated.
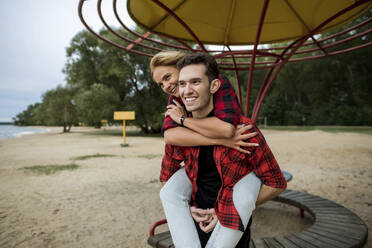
point(175, 111)
point(237, 142)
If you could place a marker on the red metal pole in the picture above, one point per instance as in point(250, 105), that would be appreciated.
point(301, 41)
point(188, 29)
point(237, 77)
point(99, 10)
point(186, 47)
point(101, 37)
point(153, 226)
point(262, 18)
point(139, 40)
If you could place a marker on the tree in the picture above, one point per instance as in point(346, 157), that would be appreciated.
point(57, 108)
point(92, 62)
point(96, 104)
point(27, 117)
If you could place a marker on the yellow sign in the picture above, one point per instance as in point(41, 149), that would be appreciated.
point(123, 116)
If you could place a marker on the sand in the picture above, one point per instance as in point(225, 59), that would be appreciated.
point(112, 201)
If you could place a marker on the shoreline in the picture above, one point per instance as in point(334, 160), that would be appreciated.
point(112, 198)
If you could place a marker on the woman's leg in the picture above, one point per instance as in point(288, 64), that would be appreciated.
point(175, 196)
point(245, 194)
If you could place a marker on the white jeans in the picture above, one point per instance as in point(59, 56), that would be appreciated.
point(175, 196)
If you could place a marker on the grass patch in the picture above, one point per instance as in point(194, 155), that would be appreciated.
point(97, 155)
point(333, 129)
point(49, 169)
point(149, 156)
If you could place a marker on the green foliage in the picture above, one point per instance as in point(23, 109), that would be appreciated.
point(94, 66)
point(56, 109)
point(150, 156)
point(27, 117)
point(97, 103)
point(97, 155)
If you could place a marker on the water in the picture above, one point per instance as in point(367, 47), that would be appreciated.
point(10, 131)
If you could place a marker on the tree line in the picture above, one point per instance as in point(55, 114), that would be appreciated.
point(101, 79)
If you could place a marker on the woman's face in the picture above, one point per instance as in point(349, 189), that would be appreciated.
point(167, 78)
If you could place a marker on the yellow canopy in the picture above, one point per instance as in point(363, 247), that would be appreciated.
point(235, 22)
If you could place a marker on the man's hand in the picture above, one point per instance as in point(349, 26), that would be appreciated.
point(210, 224)
point(237, 142)
point(199, 214)
point(175, 111)
point(206, 218)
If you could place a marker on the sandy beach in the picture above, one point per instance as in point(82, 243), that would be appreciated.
point(112, 201)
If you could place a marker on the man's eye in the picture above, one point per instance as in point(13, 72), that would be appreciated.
point(161, 85)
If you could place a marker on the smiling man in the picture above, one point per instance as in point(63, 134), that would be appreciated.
point(217, 174)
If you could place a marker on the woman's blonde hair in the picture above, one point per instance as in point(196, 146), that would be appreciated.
point(168, 58)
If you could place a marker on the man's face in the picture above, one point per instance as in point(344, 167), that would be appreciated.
point(167, 78)
point(194, 89)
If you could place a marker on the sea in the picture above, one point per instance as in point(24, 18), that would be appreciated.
point(11, 131)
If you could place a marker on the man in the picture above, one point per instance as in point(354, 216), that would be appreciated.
point(214, 184)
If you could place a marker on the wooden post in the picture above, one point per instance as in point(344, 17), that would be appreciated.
point(124, 115)
point(124, 132)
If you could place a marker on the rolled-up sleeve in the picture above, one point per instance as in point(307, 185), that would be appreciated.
point(264, 163)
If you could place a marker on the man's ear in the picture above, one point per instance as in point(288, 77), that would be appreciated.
point(215, 85)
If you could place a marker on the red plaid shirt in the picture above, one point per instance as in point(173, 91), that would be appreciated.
point(232, 166)
point(226, 105)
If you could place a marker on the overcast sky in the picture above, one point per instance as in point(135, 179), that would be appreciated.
point(34, 37)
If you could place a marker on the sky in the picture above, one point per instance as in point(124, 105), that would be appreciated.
point(34, 37)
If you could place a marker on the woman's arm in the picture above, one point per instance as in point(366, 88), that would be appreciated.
point(211, 127)
point(180, 136)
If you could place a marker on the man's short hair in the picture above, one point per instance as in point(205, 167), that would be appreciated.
point(210, 63)
point(168, 58)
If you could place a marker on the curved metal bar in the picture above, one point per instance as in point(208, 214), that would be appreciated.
point(237, 77)
point(246, 68)
point(258, 35)
point(263, 85)
point(188, 29)
point(307, 50)
point(80, 8)
point(325, 38)
point(156, 224)
point(263, 54)
point(346, 30)
point(186, 47)
point(352, 6)
point(305, 25)
point(247, 63)
point(99, 9)
point(337, 42)
point(334, 53)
